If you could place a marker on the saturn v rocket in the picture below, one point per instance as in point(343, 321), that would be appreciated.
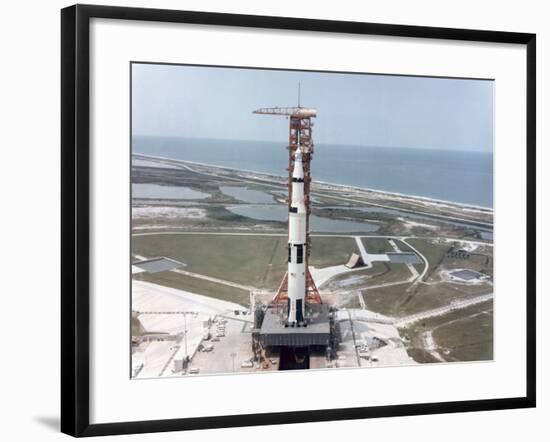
point(297, 287)
point(297, 243)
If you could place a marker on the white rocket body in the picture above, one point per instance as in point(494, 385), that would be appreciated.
point(297, 245)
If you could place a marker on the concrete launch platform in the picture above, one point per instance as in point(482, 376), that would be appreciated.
point(317, 333)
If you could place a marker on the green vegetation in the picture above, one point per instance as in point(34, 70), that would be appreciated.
point(259, 261)
point(357, 278)
point(377, 245)
point(467, 339)
point(331, 251)
point(250, 260)
point(425, 297)
point(386, 300)
point(401, 300)
point(433, 252)
point(442, 255)
point(379, 273)
point(196, 285)
point(404, 299)
point(461, 335)
point(403, 246)
point(397, 272)
point(422, 356)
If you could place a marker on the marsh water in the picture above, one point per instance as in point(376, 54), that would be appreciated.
point(458, 176)
point(317, 223)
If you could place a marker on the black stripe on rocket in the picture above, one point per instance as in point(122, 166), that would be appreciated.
point(299, 253)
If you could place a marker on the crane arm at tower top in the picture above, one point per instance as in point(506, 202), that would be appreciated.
point(300, 112)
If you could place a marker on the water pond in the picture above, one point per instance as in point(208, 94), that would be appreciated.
point(318, 224)
point(247, 195)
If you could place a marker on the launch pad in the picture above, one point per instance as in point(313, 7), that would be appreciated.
point(274, 331)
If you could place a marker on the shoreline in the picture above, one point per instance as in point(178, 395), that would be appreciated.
point(425, 199)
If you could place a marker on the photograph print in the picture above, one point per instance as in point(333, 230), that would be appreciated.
point(308, 220)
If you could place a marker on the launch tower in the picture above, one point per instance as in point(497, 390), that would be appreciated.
point(297, 287)
point(296, 324)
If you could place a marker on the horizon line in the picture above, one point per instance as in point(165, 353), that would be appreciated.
point(318, 143)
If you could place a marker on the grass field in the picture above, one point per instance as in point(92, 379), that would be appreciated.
point(468, 339)
point(261, 261)
point(461, 335)
point(357, 278)
point(331, 251)
point(399, 300)
point(377, 245)
point(196, 285)
point(251, 260)
point(396, 272)
point(386, 300)
point(380, 273)
point(403, 247)
point(434, 253)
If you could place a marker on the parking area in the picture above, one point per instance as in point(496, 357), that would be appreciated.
point(228, 346)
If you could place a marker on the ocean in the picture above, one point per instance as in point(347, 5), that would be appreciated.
point(462, 177)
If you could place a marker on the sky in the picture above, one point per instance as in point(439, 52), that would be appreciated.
point(352, 109)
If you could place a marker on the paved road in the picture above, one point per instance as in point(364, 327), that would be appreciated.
point(396, 249)
point(388, 284)
point(216, 280)
point(407, 320)
point(361, 300)
point(430, 346)
point(401, 322)
point(325, 235)
point(369, 258)
point(420, 278)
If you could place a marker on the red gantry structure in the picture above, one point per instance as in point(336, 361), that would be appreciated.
point(300, 154)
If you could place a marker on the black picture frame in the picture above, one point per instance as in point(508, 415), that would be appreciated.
point(75, 212)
